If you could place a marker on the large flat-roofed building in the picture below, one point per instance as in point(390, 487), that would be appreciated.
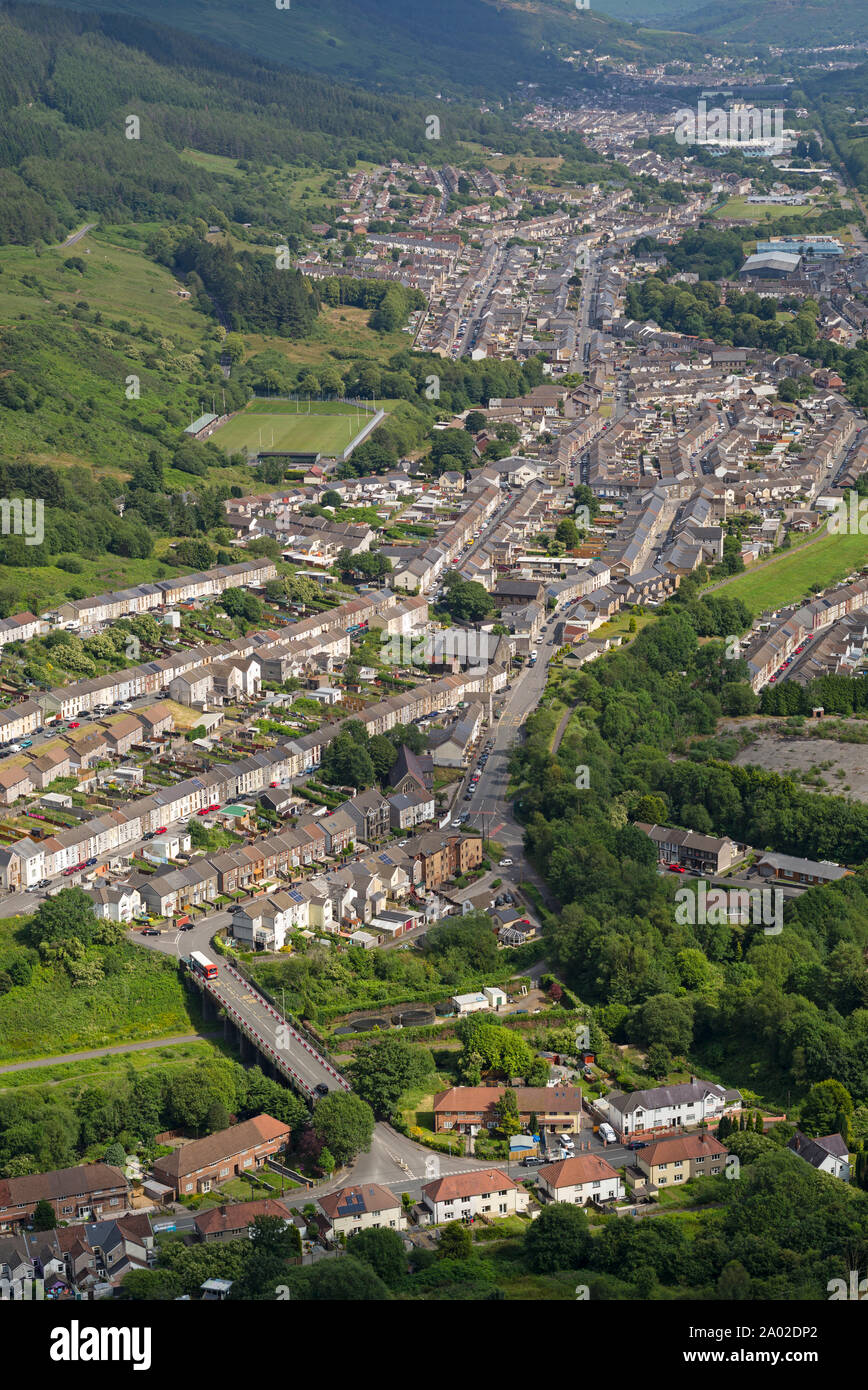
point(811, 246)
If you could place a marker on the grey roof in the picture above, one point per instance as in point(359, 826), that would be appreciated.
point(664, 1096)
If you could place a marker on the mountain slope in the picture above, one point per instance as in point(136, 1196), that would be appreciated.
point(794, 23)
point(457, 46)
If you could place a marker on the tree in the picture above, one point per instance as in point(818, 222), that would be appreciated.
point(567, 532)
point(558, 1239)
point(384, 1251)
point(340, 1281)
point(827, 1106)
point(44, 1218)
point(468, 601)
point(115, 1154)
point(506, 1110)
point(384, 1068)
point(369, 565)
point(455, 1242)
point(475, 422)
point(151, 1285)
point(345, 1123)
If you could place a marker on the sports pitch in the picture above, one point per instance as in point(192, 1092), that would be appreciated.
point(324, 427)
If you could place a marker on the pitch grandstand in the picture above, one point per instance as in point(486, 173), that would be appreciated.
point(285, 426)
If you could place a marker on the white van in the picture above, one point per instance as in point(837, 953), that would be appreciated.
point(608, 1134)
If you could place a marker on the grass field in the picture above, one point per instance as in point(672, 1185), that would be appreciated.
point(326, 427)
point(139, 996)
point(788, 577)
point(741, 210)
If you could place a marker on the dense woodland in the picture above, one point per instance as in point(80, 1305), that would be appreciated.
point(778, 1012)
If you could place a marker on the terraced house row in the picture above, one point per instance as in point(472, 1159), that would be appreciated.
point(155, 677)
point(770, 649)
point(26, 861)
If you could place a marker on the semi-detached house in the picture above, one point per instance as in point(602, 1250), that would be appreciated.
point(461, 1196)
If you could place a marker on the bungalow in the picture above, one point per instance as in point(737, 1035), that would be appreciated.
point(585, 1178)
point(794, 870)
point(234, 1222)
point(828, 1154)
point(464, 1196)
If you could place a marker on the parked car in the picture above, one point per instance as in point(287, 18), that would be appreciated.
point(151, 931)
point(505, 863)
point(322, 1089)
point(75, 724)
point(676, 869)
point(90, 862)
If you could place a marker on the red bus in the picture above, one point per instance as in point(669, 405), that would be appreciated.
point(203, 966)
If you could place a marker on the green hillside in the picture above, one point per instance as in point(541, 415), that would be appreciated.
point(466, 46)
point(796, 23)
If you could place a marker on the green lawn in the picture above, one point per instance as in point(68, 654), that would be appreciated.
point(326, 427)
point(788, 577)
point(741, 210)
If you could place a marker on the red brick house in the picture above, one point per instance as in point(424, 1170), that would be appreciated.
point(87, 1193)
point(205, 1163)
